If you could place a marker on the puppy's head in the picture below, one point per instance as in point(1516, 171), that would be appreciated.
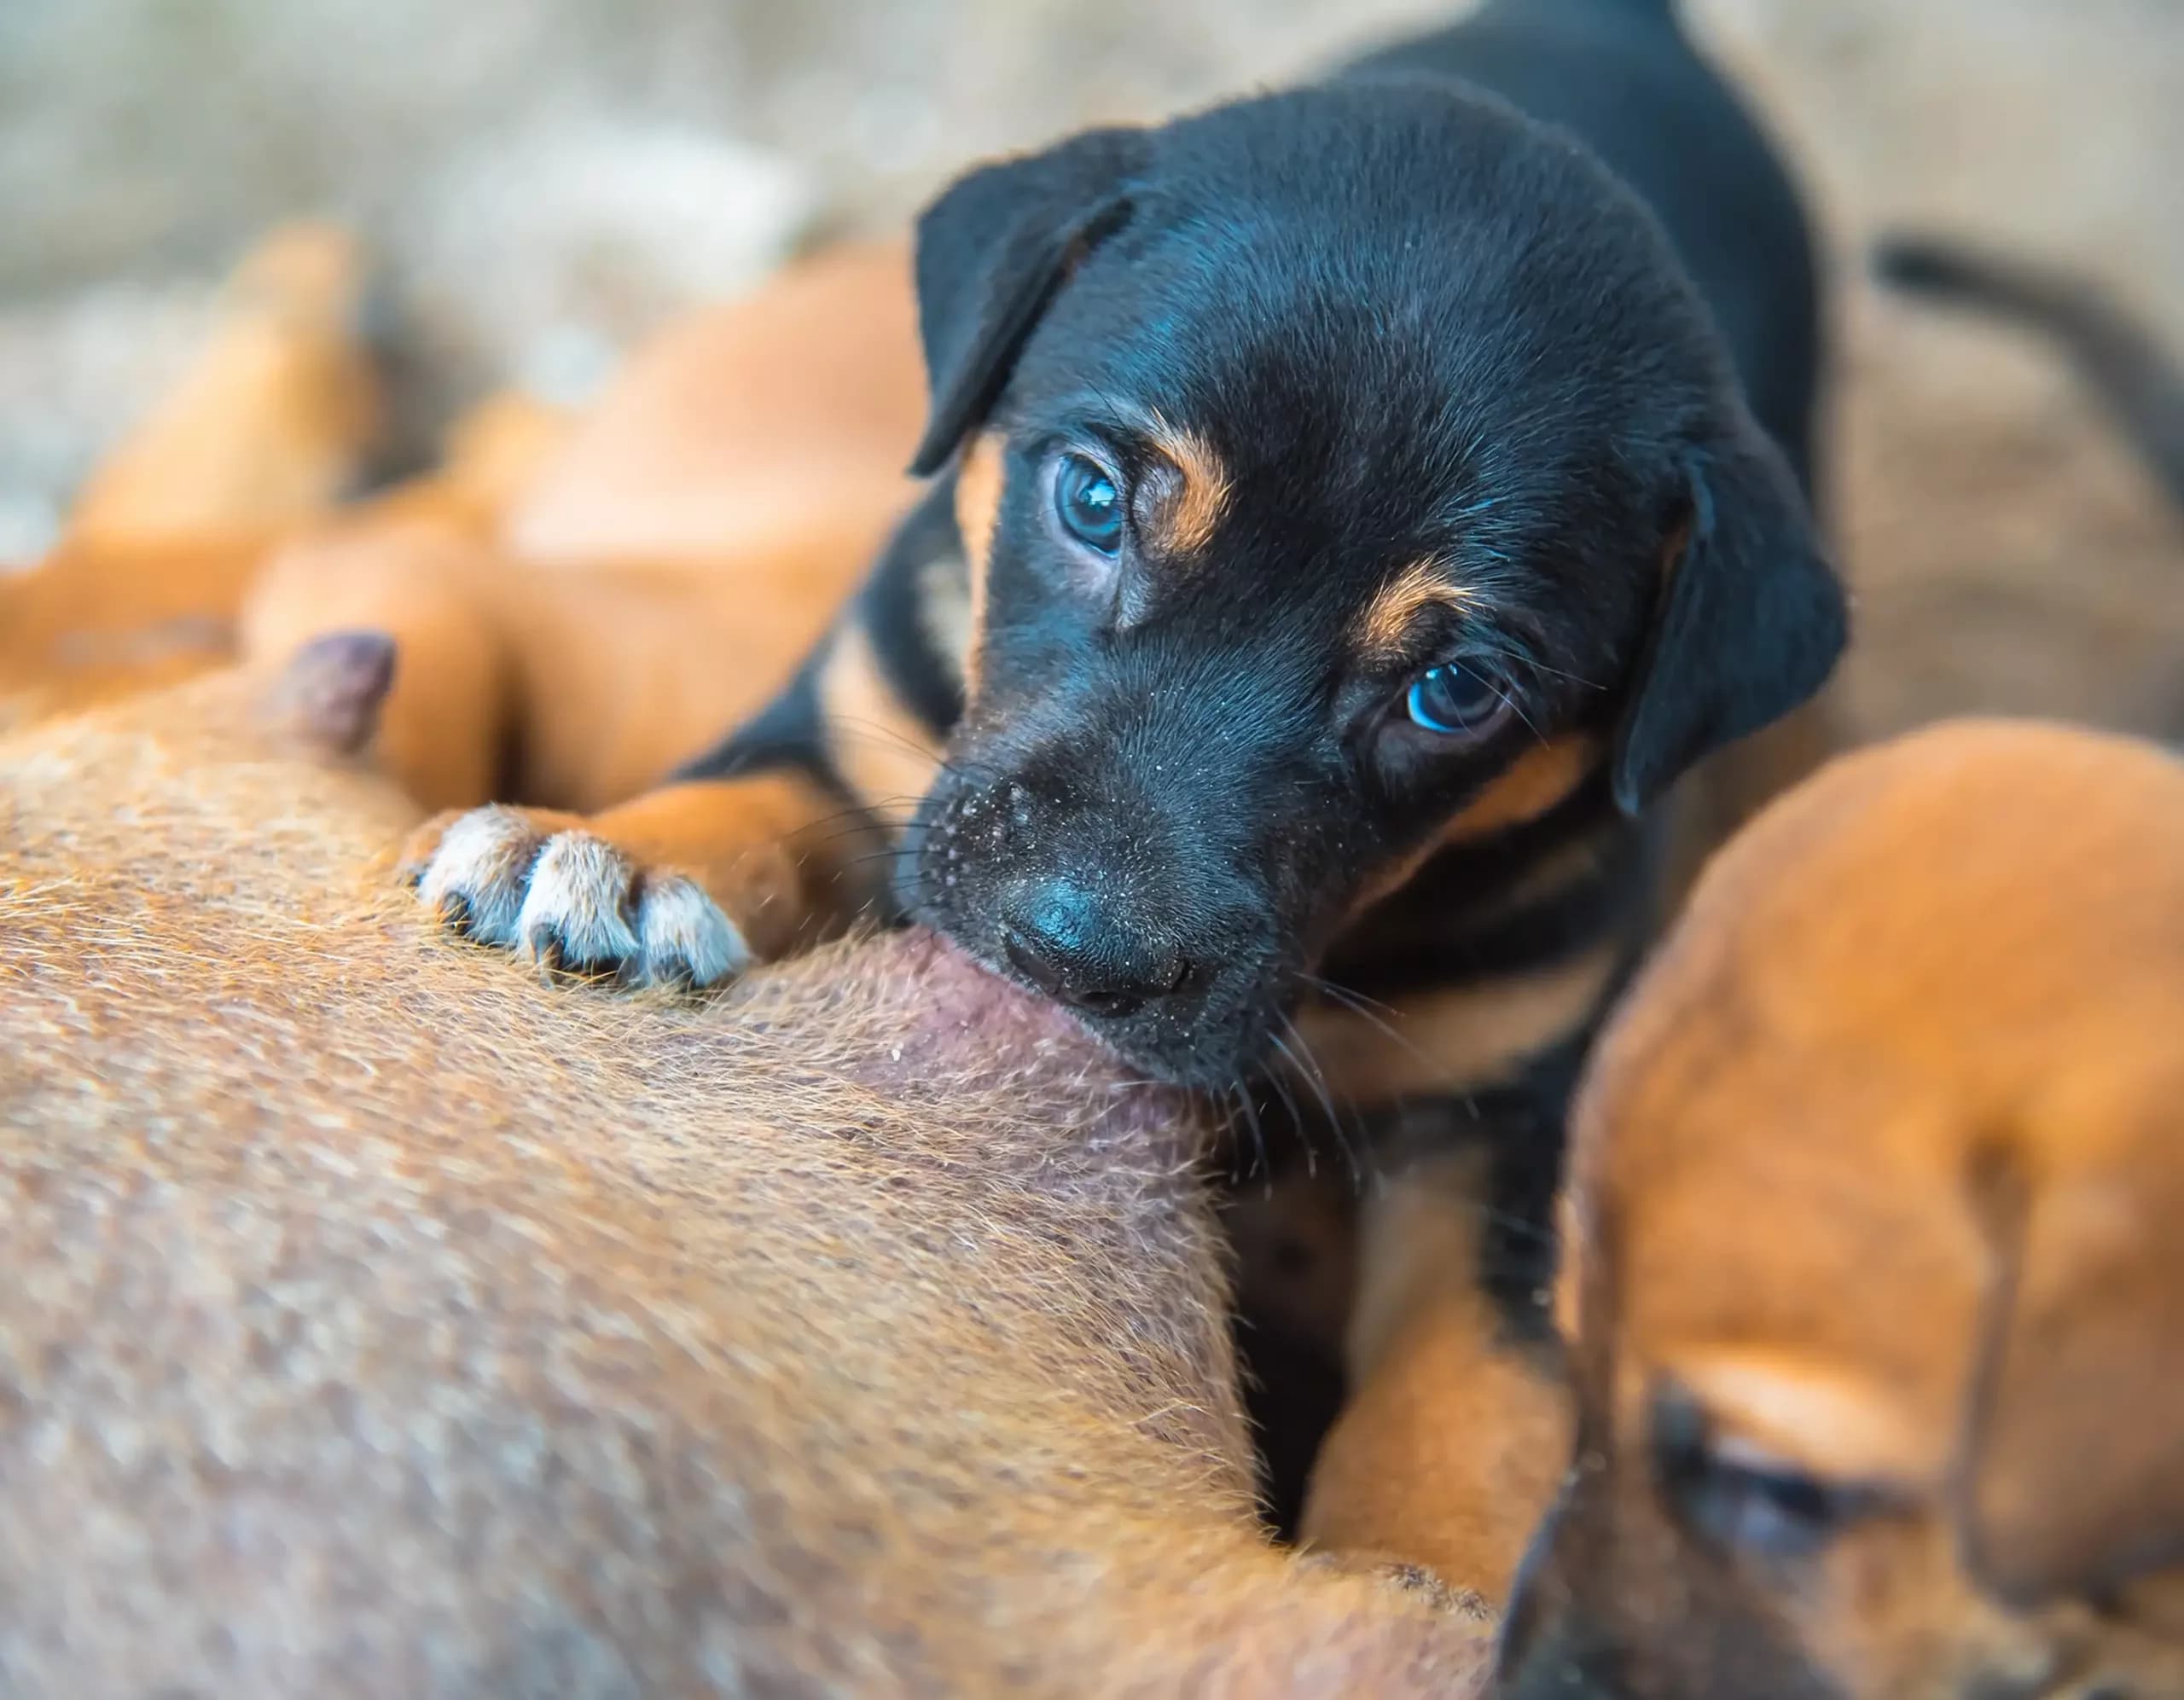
point(1343, 474)
point(1876, 1283)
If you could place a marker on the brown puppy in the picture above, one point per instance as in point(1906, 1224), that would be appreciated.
point(580, 602)
point(374, 1323)
point(1878, 1286)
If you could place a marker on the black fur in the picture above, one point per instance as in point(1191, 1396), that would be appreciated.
point(991, 252)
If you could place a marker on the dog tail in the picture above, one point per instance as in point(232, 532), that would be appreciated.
point(2138, 381)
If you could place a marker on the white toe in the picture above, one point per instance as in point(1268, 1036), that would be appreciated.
point(686, 940)
point(477, 873)
point(577, 914)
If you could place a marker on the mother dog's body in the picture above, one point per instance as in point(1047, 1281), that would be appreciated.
point(377, 1324)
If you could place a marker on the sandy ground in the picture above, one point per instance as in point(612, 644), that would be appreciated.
point(548, 177)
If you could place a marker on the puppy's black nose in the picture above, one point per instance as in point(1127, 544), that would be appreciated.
point(1078, 952)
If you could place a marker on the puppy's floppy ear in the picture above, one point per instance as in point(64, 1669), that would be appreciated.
point(990, 253)
point(2073, 1475)
point(1750, 623)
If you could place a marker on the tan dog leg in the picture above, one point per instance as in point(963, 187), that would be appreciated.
point(263, 431)
point(1455, 1434)
point(444, 728)
point(267, 427)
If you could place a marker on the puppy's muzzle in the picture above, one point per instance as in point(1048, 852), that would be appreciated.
point(1084, 952)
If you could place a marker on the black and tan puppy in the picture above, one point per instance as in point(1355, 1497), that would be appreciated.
point(1877, 1284)
point(1354, 508)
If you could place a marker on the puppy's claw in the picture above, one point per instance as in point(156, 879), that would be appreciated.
point(686, 939)
point(570, 902)
point(577, 910)
point(476, 877)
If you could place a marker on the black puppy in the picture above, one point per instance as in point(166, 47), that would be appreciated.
point(1354, 509)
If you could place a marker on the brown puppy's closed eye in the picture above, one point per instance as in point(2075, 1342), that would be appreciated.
point(1879, 1286)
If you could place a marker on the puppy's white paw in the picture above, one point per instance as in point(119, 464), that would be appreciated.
point(571, 903)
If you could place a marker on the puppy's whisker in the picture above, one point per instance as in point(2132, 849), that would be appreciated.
point(871, 857)
point(850, 824)
point(1517, 707)
point(1316, 1077)
point(1240, 1091)
point(862, 812)
point(888, 738)
point(1348, 994)
point(1320, 1084)
point(875, 732)
point(1532, 663)
point(854, 829)
point(1297, 1124)
point(895, 738)
point(1363, 1008)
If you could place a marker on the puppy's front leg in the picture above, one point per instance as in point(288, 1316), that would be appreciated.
point(775, 838)
point(686, 885)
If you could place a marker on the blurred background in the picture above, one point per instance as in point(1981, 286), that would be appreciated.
point(544, 180)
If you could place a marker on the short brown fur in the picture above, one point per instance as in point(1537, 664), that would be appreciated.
point(1879, 1167)
point(1189, 499)
point(382, 1324)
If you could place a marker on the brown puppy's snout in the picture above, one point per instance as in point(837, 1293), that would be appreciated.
point(1085, 952)
point(1544, 1651)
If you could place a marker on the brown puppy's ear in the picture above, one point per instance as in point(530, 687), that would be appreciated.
point(2073, 1475)
point(990, 253)
point(1750, 623)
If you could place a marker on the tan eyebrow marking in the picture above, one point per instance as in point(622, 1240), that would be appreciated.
point(1809, 1412)
point(1184, 498)
point(1381, 629)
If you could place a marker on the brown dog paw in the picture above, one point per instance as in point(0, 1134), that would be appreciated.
point(1414, 1581)
point(535, 884)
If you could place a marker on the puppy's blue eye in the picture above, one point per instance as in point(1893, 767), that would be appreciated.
point(1454, 701)
point(1089, 503)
